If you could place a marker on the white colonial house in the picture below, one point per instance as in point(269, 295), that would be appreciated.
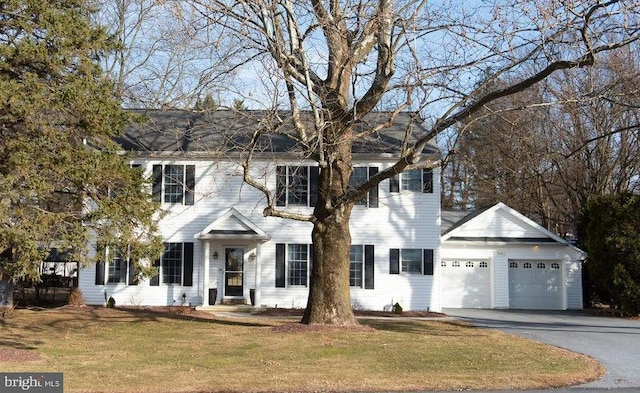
point(219, 247)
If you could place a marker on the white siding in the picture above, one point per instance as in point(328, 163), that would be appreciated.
point(499, 224)
point(402, 220)
point(573, 274)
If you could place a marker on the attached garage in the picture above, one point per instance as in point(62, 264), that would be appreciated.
point(535, 285)
point(497, 258)
point(465, 283)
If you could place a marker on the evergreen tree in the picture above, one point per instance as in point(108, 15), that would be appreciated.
point(611, 237)
point(62, 181)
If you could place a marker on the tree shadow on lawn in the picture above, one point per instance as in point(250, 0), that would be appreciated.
point(146, 314)
point(444, 328)
point(21, 331)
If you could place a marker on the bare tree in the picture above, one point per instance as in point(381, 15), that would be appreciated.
point(574, 136)
point(162, 59)
point(337, 61)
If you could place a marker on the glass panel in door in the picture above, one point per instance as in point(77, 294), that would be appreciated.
point(234, 263)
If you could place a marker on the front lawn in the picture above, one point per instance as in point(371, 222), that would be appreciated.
point(131, 350)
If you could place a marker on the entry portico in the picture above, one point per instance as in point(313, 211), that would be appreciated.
point(231, 259)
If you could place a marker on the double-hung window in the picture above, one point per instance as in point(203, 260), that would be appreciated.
point(360, 175)
point(296, 185)
point(171, 266)
point(417, 180)
point(298, 258)
point(174, 184)
point(293, 265)
point(175, 267)
point(116, 270)
point(293, 262)
point(356, 265)
point(411, 261)
point(361, 266)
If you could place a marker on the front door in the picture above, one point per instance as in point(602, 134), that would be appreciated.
point(233, 266)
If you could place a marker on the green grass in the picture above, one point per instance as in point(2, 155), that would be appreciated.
point(104, 350)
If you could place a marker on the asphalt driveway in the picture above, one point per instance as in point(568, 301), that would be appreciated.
point(614, 342)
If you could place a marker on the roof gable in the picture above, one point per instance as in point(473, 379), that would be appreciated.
point(232, 224)
point(501, 223)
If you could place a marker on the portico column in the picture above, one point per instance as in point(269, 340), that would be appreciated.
point(206, 262)
point(257, 278)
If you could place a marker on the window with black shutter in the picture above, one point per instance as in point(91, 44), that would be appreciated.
point(411, 261)
point(420, 180)
point(173, 184)
point(297, 185)
point(175, 267)
point(360, 175)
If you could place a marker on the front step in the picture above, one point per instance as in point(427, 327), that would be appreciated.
point(234, 301)
point(246, 308)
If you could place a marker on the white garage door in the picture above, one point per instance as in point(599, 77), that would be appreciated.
point(535, 285)
point(465, 283)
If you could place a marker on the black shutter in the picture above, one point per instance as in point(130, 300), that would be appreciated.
point(394, 261)
point(99, 273)
point(155, 280)
point(157, 183)
point(368, 266)
point(427, 260)
point(373, 193)
point(190, 184)
point(310, 263)
point(281, 185)
point(427, 181)
point(394, 184)
point(280, 265)
point(314, 173)
point(187, 279)
point(132, 274)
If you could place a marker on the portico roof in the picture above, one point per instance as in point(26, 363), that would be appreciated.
point(233, 225)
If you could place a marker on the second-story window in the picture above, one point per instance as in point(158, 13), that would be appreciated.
point(297, 185)
point(417, 180)
point(360, 175)
point(174, 184)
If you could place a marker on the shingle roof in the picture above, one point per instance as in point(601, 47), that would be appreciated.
point(226, 131)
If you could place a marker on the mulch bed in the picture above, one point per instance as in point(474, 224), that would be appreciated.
point(295, 312)
point(297, 327)
point(18, 355)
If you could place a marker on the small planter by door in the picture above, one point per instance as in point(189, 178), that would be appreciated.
point(213, 295)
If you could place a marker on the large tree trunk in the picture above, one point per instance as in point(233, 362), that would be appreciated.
point(329, 299)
